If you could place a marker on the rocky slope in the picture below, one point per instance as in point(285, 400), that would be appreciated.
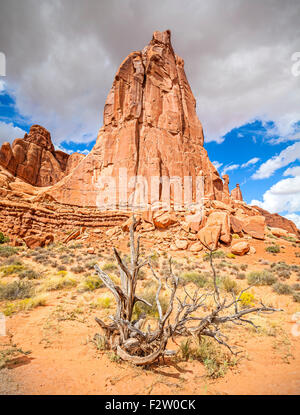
point(34, 159)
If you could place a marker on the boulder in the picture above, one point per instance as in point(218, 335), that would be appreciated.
point(196, 247)
point(255, 226)
point(236, 225)
point(241, 248)
point(279, 232)
point(163, 220)
point(222, 219)
point(38, 240)
point(181, 243)
point(209, 235)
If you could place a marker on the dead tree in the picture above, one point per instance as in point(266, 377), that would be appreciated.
point(142, 347)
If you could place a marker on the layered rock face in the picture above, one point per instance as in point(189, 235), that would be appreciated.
point(151, 129)
point(276, 221)
point(236, 193)
point(34, 159)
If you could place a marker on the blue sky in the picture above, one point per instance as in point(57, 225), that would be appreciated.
point(62, 57)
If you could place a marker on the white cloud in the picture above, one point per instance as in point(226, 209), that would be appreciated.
point(252, 161)
point(217, 164)
point(230, 168)
point(284, 196)
point(287, 156)
point(292, 171)
point(62, 76)
point(295, 218)
point(9, 132)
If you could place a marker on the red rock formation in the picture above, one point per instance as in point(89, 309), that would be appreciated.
point(236, 193)
point(150, 128)
point(34, 159)
point(276, 221)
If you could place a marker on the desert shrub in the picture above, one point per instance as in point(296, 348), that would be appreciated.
point(241, 276)
point(247, 299)
point(216, 254)
point(29, 273)
point(104, 302)
point(235, 236)
point(261, 278)
point(58, 283)
point(284, 274)
point(185, 349)
point(281, 288)
point(61, 268)
point(16, 290)
point(296, 286)
point(109, 266)
point(3, 239)
point(149, 295)
point(230, 255)
point(274, 249)
point(91, 264)
point(216, 362)
point(24, 305)
point(289, 238)
point(7, 251)
point(90, 283)
point(296, 297)
point(244, 267)
point(195, 277)
point(11, 269)
point(77, 269)
point(229, 285)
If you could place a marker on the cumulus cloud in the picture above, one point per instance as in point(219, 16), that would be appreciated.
point(283, 196)
point(9, 132)
point(292, 171)
point(62, 56)
point(217, 164)
point(287, 156)
point(295, 218)
point(250, 162)
point(230, 168)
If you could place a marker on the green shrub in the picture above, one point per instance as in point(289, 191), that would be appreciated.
point(149, 295)
point(216, 362)
point(91, 283)
point(216, 254)
point(261, 278)
point(281, 288)
point(11, 269)
point(24, 305)
point(3, 239)
point(230, 255)
point(274, 249)
point(229, 285)
point(235, 236)
point(58, 283)
point(195, 277)
point(7, 251)
point(29, 273)
point(109, 266)
point(16, 290)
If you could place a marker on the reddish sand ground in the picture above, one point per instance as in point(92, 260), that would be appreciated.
point(63, 360)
